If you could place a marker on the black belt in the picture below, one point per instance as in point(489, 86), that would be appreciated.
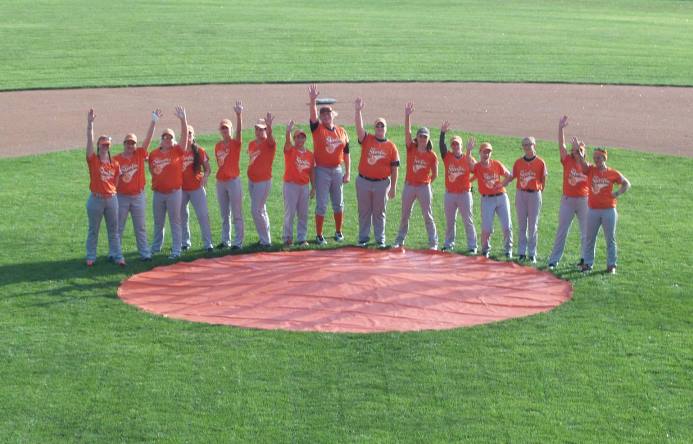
point(530, 191)
point(370, 179)
point(492, 195)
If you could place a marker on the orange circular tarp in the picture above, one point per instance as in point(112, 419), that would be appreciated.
point(345, 290)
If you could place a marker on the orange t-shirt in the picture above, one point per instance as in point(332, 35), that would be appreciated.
point(191, 179)
point(298, 165)
point(574, 180)
point(329, 145)
point(167, 169)
point(261, 157)
point(419, 165)
point(132, 179)
point(103, 176)
point(228, 158)
point(530, 175)
point(457, 173)
point(377, 157)
point(601, 184)
point(489, 178)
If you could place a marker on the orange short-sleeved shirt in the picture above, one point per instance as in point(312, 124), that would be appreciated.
point(329, 145)
point(191, 179)
point(298, 165)
point(228, 158)
point(103, 176)
point(489, 178)
point(530, 175)
point(377, 157)
point(261, 157)
point(601, 184)
point(167, 169)
point(457, 174)
point(419, 165)
point(132, 179)
point(574, 180)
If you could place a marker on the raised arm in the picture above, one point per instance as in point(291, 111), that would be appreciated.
point(358, 106)
point(562, 123)
point(313, 94)
point(408, 110)
point(288, 142)
point(581, 153)
point(268, 120)
point(441, 143)
point(238, 109)
point(180, 113)
point(91, 116)
point(156, 115)
point(470, 146)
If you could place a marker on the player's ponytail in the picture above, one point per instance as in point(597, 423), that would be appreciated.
point(196, 156)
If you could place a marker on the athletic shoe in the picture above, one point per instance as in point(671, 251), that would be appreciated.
point(120, 262)
point(288, 243)
point(381, 244)
point(552, 266)
point(320, 240)
point(210, 249)
point(585, 268)
point(611, 269)
point(433, 248)
point(533, 259)
point(173, 257)
point(362, 243)
point(185, 247)
point(521, 257)
point(472, 251)
point(222, 245)
point(235, 247)
point(581, 263)
point(446, 248)
point(303, 243)
point(485, 254)
point(146, 258)
point(90, 263)
point(395, 245)
point(508, 255)
point(338, 236)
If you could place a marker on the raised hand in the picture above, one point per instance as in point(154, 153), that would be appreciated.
point(268, 120)
point(313, 92)
point(238, 107)
point(563, 122)
point(470, 144)
point(156, 115)
point(359, 104)
point(445, 126)
point(91, 116)
point(180, 112)
point(575, 142)
point(409, 109)
point(290, 126)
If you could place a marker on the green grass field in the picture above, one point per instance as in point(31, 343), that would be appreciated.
point(76, 43)
point(612, 365)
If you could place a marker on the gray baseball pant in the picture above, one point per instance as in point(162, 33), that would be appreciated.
point(230, 195)
point(462, 202)
point(372, 202)
point(570, 207)
point(607, 219)
point(198, 198)
point(135, 206)
point(528, 207)
point(328, 183)
point(98, 208)
point(499, 205)
point(423, 194)
point(167, 203)
point(295, 203)
point(259, 192)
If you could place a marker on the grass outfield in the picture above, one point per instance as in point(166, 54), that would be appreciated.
point(77, 364)
point(79, 43)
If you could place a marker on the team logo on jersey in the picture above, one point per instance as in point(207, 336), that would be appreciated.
point(188, 160)
point(419, 164)
point(107, 174)
point(374, 155)
point(127, 172)
point(158, 165)
point(221, 156)
point(254, 155)
point(331, 144)
point(599, 183)
point(575, 177)
point(490, 180)
point(526, 176)
point(302, 164)
point(455, 171)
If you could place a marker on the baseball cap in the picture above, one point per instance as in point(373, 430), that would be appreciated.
point(261, 124)
point(225, 123)
point(380, 120)
point(423, 131)
point(485, 147)
point(103, 137)
point(191, 129)
point(130, 136)
point(457, 138)
point(168, 131)
point(298, 132)
point(529, 141)
point(603, 151)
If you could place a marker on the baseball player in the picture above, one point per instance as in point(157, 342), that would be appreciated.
point(530, 173)
point(131, 194)
point(166, 168)
point(377, 181)
point(298, 173)
point(458, 189)
point(229, 188)
point(196, 171)
point(602, 208)
point(422, 170)
point(331, 145)
point(261, 153)
point(574, 199)
point(490, 174)
point(102, 202)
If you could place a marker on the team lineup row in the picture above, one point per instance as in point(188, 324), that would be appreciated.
point(179, 174)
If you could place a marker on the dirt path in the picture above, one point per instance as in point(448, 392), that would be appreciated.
point(641, 118)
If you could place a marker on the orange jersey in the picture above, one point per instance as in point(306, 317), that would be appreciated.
point(574, 180)
point(601, 184)
point(329, 145)
point(132, 180)
point(457, 173)
point(228, 158)
point(167, 169)
point(489, 178)
point(191, 179)
point(298, 166)
point(377, 157)
point(261, 157)
point(419, 165)
point(103, 176)
point(530, 175)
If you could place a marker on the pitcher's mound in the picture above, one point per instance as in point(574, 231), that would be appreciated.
point(345, 290)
